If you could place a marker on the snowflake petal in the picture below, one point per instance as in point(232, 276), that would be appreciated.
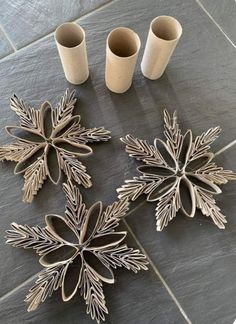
point(70, 147)
point(187, 197)
point(61, 255)
point(200, 181)
point(46, 119)
point(165, 153)
point(199, 162)
point(102, 271)
point(158, 171)
point(29, 159)
point(162, 188)
point(57, 225)
point(69, 127)
point(186, 147)
point(24, 134)
point(71, 279)
point(52, 164)
point(105, 241)
point(91, 222)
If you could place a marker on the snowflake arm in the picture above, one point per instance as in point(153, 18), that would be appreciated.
point(64, 109)
point(75, 208)
point(111, 216)
point(172, 133)
point(29, 117)
point(167, 209)
point(142, 150)
point(208, 207)
point(216, 174)
point(16, 151)
point(49, 280)
point(126, 257)
point(37, 238)
point(203, 142)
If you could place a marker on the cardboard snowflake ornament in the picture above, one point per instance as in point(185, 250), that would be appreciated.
point(49, 141)
point(178, 174)
point(78, 252)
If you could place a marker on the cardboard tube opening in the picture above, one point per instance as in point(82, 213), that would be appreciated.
point(166, 28)
point(123, 42)
point(69, 35)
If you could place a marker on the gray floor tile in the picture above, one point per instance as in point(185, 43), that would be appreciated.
point(197, 83)
point(5, 46)
point(223, 12)
point(27, 21)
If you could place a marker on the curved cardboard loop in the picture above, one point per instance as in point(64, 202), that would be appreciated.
point(46, 119)
point(99, 269)
point(203, 183)
point(91, 222)
point(185, 149)
point(65, 128)
point(156, 171)
point(71, 279)
point(74, 148)
point(199, 162)
point(165, 154)
point(162, 189)
point(25, 134)
point(187, 197)
point(52, 162)
point(60, 255)
point(60, 228)
point(106, 241)
point(30, 158)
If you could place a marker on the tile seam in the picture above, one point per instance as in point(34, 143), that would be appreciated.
point(36, 41)
point(217, 25)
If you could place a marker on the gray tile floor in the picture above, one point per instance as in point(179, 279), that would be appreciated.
point(192, 263)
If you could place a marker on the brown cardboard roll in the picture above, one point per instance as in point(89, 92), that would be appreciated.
point(71, 45)
point(163, 36)
point(122, 49)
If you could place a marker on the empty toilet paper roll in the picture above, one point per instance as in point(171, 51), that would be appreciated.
point(122, 49)
point(70, 40)
point(163, 36)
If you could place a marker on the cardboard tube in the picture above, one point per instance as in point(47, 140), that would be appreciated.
point(70, 40)
point(163, 36)
point(122, 49)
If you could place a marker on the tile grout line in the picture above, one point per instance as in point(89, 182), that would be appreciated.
point(156, 271)
point(12, 291)
point(9, 40)
point(225, 148)
point(213, 20)
point(52, 32)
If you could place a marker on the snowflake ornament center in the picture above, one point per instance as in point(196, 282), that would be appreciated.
point(78, 252)
point(178, 174)
point(47, 135)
